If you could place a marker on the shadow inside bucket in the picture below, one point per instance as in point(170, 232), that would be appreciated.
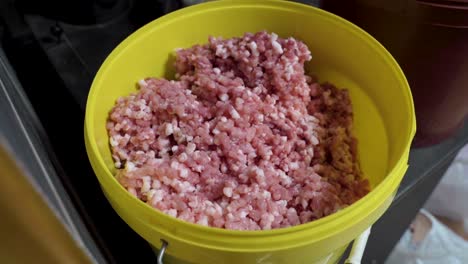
point(169, 69)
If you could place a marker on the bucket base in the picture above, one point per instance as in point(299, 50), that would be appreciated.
point(333, 258)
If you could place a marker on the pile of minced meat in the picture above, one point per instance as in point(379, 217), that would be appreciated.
point(241, 139)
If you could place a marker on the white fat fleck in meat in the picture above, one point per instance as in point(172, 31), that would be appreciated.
point(289, 71)
point(239, 102)
point(184, 173)
point(221, 51)
point(199, 168)
point(210, 211)
point(150, 194)
point(142, 83)
point(224, 97)
point(172, 212)
point(203, 221)
point(166, 180)
point(183, 157)
point(253, 48)
point(169, 129)
point(274, 36)
point(190, 148)
point(113, 142)
point(189, 187)
point(314, 140)
point(239, 88)
point(234, 113)
point(156, 184)
point(311, 118)
point(285, 179)
point(175, 164)
point(282, 203)
point(294, 165)
point(130, 166)
point(266, 195)
point(146, 184)
point(194, 203)
point(223, 168)
point(261, 117)
point(132, 191)
point(259, 175)
point(227, 191)
point(276, 45)
point(267, 220)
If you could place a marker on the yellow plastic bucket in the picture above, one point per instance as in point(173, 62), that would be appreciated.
point(342, 53)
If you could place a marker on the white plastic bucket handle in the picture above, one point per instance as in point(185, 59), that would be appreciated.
point(359, 245)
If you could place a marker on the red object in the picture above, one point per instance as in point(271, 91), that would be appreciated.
point(429, 39)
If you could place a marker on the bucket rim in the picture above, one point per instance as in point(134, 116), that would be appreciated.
point(329, 225)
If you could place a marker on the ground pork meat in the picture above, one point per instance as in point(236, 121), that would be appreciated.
point(241, 139)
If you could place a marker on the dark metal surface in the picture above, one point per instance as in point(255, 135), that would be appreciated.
point(61, 113)
point(20, 128)
point(427, 166)
point(76, 51)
